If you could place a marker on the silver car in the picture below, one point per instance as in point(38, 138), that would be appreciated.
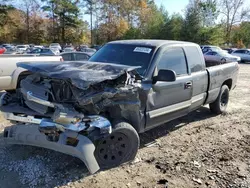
point(244, 54)
point(220, 56)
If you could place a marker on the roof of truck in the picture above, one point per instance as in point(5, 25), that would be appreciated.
point(153, 43)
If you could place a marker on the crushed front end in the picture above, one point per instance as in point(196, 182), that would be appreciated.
point(69, 113)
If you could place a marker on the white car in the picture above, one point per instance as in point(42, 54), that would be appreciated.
point(244, 54)
point(22, 48)
point(220, 56)
point(11, 75)
point(55, 50)
point(55, 45)
point(38, 46)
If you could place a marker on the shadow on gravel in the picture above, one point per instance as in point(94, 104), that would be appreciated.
point(198, 115)
point(38, 167)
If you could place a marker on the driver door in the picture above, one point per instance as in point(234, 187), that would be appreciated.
point(170, 100)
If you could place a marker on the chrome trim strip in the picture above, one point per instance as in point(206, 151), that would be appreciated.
point(169, 109)
point(32, 98)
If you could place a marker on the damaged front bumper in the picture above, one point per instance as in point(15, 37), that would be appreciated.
point(66, 139)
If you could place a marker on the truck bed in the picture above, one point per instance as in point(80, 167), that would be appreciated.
point(217, 75)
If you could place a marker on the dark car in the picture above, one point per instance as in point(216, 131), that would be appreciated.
point(230, 50)
point(10, 50)
point(42, 51)
point(75, 56)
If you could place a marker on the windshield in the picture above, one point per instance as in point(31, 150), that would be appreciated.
point(125, 54)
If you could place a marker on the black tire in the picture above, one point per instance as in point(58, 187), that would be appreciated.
point(119, 147)
point(219, 106)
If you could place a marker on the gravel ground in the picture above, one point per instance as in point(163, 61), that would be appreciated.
point(198, 150)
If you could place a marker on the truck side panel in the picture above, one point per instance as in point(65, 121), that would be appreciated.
point(220, 75)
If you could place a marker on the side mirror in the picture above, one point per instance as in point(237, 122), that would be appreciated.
point(165, 76)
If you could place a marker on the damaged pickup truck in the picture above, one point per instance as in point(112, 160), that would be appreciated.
point(95, 110)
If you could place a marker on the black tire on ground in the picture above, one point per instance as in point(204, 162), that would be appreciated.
point(219, 106)
point(119, 147)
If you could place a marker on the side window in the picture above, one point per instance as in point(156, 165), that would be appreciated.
point(173, 59)
point(238, 51)
point(66, 57)
point(195, 58)
point(81, 57)
point(45, 50)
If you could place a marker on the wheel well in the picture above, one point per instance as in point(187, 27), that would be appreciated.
point(21, 76)
point(229, 83)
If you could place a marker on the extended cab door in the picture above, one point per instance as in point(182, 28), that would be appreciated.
point(169, 100)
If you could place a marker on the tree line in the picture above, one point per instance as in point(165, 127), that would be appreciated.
point(217, 22)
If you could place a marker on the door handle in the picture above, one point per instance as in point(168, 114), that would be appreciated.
point(188, 85)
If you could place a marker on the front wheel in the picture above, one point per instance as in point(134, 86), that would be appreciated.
point(119, 147)
point(219, 106)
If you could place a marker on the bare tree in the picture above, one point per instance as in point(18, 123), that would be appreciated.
point(29, 6)
point(233, 12)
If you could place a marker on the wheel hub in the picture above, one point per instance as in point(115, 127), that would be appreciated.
point(113, 148)
point(224, 99)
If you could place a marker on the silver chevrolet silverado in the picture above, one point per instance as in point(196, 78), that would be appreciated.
point(95, 110)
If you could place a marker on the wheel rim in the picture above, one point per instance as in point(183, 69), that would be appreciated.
point(224, 99)
point(113, 149)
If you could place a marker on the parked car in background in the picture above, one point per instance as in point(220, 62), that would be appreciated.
point(83, 46)
point(230, 50)
point(38, 46)
point(55, 50)
point(11, 50)
point(11, 75)
point(69, 49)
point(207, 48)
point(55, 45)
point(89, 51)
point(43, 51)
point(22, 48)
point(75, 56)
point(221, 57)
point(244, 54)
point(6, 45)
point(2, 50)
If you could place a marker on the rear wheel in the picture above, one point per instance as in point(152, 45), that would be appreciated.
point(119, 147)
point(219, 106)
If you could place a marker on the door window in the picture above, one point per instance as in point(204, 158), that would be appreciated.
point(66, 57)
point(240, 51)
point(173, 59)
point(81, 57)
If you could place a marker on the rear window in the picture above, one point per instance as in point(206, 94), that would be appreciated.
point(195, 62)
point(125, 54)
